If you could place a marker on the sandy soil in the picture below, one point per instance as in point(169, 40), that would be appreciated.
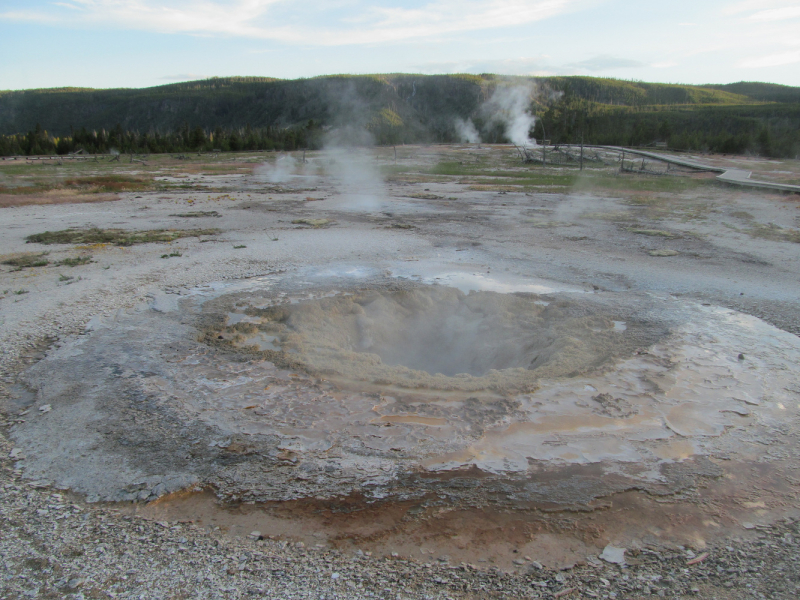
point(688, 437)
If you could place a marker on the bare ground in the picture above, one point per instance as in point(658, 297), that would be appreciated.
point(686, 240)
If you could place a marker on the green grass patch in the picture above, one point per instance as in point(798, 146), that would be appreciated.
point(197, 214)
point(108, 183)
point(118, 237)
point(653, 232)
point(587, 180)
point(456, 169)
point(639, 183)
point(38, 183)
point(27, 261)
point(74, 261)
point(775, 233)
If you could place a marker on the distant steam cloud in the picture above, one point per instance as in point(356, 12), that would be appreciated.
point(280, 171)
point(349, 161)
point(346, 154)
point(605, 62)
point(510, 105)
point(467, 132)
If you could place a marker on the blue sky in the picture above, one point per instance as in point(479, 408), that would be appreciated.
point(140, 43)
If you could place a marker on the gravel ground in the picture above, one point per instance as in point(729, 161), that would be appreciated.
point(55, 545)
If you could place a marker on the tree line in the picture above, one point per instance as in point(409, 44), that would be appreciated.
point(183, 139)
point(771, 130)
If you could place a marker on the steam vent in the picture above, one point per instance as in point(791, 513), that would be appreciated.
point(316, 390)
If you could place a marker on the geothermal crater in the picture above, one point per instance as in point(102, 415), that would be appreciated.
point(285, 388)
point(438, 337)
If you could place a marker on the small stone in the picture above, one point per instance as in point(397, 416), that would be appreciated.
point(741, 356)
point(45, 409)
point(256, 535)
point(612, 554)
point(536, 564)
point(75, 583)
point(518, 561)
point(335, 576)
point(15, 453)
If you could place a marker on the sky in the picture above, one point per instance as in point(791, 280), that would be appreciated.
point(143, 43)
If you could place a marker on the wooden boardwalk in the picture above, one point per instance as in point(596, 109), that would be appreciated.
point(730, 176)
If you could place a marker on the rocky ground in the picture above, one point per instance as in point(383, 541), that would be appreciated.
point(55, 546)
point(710, 244)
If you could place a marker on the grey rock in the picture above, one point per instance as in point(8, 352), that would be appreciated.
point(612, 554)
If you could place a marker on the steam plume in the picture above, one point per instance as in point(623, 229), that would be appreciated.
point(280, 171)
point(467, 132)
point(510, 104)
point(353, 166)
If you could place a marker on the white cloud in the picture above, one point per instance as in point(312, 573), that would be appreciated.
point(664, 65)
point(354, 22)
point(757, 5)
point(183, 77)
point(776, 14)
point(606, 63)
point(773, 60)
point(537, 65)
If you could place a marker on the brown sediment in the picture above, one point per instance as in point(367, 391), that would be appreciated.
point(54, 197)
point(493, 535)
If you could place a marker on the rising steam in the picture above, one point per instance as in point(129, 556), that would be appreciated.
point(510, 105)
point(347, 156)
point(352, 165)
point(280, 171)
point(467, 132)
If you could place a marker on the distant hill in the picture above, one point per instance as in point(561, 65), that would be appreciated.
point(240, 101)
point(261, 112)
point(762, 92)
point(418, 100)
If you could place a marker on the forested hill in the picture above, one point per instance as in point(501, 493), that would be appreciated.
point(762, 92)
point(254, 112)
